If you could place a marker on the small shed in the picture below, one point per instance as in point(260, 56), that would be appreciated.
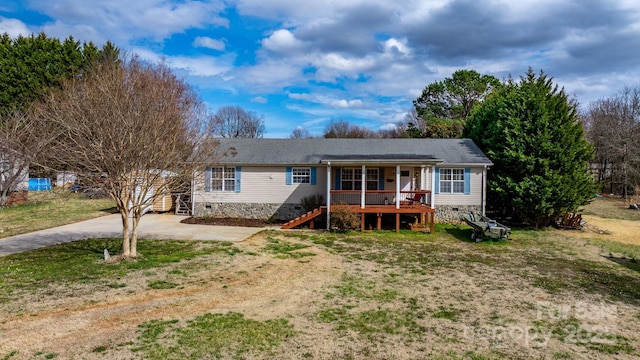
point(164, 202)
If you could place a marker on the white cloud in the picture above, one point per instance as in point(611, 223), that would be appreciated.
point(13, 27)
point(342, 103)
point(388, 126)
point(345, 64)
point(259, 100)
point(207, 42)
point(397, 47)
point(202, 66)
point(282, 41)
point(123, 20)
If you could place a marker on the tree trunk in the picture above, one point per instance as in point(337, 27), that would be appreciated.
point(135, 220)
point(126, 250)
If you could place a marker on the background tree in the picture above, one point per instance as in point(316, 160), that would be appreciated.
point(300, 133)
point(131, 122)
point(530, 131)
point(341, 129)
point(444, 106)
point(31, 65)
point(235, 122)
point(21, 140)
point(613, 127)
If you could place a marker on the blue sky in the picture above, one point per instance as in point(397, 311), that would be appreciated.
point(306, 63)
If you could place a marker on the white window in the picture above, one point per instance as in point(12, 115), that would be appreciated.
point(301, 175)
point(351, 179)
point(223, 179)
point(452, 181)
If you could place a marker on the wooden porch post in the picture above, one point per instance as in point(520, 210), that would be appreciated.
point(363, 183)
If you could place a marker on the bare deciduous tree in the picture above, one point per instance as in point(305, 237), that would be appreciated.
point(613, 127)
point(342, 129)
point(21, 140)
point(135, 124)
point(300, 133)
point(235, 122)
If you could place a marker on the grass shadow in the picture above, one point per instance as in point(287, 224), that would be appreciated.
point(631, 264)
point(462, 234)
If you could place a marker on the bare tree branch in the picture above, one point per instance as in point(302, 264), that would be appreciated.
point(134, 123)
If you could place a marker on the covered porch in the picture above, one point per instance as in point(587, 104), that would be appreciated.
point(379, 188)
point(394, 186)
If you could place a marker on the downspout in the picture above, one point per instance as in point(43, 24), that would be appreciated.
point(193, 194)
point(484, 190)
point(328, 196)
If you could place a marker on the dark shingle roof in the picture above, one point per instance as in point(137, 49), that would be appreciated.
point(316, 151)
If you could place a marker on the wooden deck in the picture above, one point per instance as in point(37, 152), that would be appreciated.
point(425, 215)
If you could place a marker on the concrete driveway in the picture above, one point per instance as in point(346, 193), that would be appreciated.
point(152, 226)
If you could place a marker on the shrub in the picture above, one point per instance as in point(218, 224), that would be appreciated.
point(344, 219)
point(312, 202)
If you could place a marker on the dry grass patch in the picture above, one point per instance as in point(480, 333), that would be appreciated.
point(316, 295)
point(47, 209)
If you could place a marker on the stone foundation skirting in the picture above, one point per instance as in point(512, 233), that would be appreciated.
point(285, 212)
point(282, 212)
point(451, 214)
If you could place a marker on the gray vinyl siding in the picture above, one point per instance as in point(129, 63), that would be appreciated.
point(474, 197)
point(260, 184)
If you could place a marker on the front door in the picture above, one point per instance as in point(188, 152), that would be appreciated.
point(406, 180)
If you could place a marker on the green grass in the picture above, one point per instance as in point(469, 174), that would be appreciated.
point(81, 262)
point(210, 336)
point(613, 208)
point(47, 209)
point(286, 249)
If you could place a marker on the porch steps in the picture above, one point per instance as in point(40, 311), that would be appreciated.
point(183, 204)
point(305, 217)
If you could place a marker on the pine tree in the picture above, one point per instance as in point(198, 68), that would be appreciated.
point(530, 130)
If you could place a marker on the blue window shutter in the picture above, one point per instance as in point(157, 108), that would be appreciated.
point(381, 179)
point(207, 179)
point(238, 177)
point(437, 182)
point(467, 181)
point(337, 178)
point(289, 176)
point(313, 176)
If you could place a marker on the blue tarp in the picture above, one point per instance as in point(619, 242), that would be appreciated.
point(39, 184)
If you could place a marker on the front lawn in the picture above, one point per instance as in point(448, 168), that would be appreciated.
point(47, 209)
point(316, 295)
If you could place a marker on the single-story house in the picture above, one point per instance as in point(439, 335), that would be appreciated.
point(268, 178)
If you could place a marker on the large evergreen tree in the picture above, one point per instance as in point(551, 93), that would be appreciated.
point(530, 130)
point(29, 66)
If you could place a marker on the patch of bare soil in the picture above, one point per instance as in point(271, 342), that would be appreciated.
point(256, 284)
point(230, 222)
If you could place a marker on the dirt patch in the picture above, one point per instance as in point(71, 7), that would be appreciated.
point(231, 222)
point(255, 284)
point(623, 231)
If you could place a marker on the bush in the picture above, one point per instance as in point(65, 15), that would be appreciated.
point(312, 202)
point(344, 219)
